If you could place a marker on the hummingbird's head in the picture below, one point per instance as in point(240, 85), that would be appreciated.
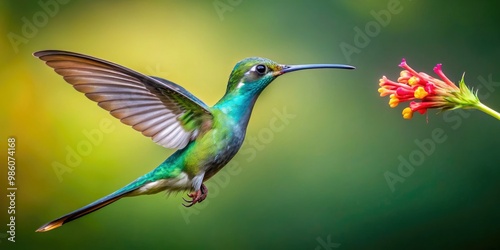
point(255, 73)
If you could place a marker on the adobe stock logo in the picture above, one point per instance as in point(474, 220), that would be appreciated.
point(362, 38)
point(75, 155)
point(326, 245)
point(417, 157)
point(31, 26)
point(223, 6)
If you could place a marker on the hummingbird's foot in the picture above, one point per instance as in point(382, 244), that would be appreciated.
point(197, 196)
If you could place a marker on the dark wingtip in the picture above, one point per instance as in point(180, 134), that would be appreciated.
point(40, 53)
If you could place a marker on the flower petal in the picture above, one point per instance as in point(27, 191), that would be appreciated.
point(438, 70)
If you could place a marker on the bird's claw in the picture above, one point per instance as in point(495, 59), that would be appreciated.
point(197, 196)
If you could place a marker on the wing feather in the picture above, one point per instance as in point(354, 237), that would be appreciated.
point(156, 107)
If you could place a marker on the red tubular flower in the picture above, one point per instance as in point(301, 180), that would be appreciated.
point(425, 92)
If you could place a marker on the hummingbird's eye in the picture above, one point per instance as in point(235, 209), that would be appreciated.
point(261, 69)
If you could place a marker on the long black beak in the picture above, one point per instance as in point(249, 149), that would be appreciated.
point(291, 68)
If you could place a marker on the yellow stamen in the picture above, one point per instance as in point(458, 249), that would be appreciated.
point(420, 93)
point(407, 113)
point(393, 101)
point(383, 91)
point(413, 81)
point(404, 73)
point(404, 76)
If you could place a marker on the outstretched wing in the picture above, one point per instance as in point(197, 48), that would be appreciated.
point(157, 108)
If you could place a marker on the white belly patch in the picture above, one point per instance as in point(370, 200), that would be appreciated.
point(181, 182)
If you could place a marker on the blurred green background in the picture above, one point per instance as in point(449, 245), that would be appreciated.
point(317, 182)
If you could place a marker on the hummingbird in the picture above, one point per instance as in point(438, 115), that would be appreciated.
point(206, 138)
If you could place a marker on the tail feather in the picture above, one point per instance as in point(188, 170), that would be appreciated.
point(98, 204)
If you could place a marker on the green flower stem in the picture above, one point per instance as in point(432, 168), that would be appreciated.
point(487, 110)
